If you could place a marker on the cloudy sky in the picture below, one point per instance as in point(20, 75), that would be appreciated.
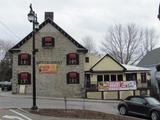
point(79, 18)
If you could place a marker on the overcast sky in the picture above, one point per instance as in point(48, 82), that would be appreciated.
point(79, 18)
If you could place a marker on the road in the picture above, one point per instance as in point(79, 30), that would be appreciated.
point(21, 102)
point(8, 102)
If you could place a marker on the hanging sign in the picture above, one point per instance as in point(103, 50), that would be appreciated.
point(47, 68)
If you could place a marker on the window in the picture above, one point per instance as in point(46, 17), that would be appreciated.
point(47, 42)
point(99, 78)
point(72, 59)
point(120, 78)
point(106, 77)
point(137, 100)
point(72, 78)
point(24, 78)
point(143, 78)
point(131, 77)
point(87, 59)
point(24, 59)
point(113, 77)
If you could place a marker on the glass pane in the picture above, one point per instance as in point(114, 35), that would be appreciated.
point(106, 77)
point(120, 78)
point(113, 77)
point(99, 78)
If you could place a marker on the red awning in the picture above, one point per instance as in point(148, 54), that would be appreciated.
point(24, 76)
point(72, 55)
point(24, 56)
point(73, 75)
point(48, 39)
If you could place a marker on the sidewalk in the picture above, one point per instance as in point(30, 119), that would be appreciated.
point(9, 94)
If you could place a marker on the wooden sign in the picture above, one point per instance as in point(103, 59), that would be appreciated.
point(47, 68)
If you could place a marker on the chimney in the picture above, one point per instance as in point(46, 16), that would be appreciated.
point(49, 15)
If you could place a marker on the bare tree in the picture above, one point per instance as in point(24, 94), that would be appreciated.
point(5, 57)
point(88, 43)
point(149, 40)
point(5, 45)
point(128, 43)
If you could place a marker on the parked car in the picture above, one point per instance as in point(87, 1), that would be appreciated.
point(140, 105)
point(6, 86)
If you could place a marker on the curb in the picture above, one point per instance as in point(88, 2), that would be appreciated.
point(68, 99)
point(125, 117)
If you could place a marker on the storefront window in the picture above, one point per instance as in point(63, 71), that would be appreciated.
point(99, 78)
point(120, 78)
point(113, 77)
point(131, 77)
point(106, 77)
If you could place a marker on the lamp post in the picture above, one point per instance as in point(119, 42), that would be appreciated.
point(32, 17)
point(159, 12)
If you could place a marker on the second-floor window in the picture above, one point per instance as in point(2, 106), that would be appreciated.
point(72, 59)
point(47, 42)
point(24, 59)
point(24, 78)
point(72, 78)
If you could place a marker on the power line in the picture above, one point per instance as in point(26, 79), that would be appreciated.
point(5, 26)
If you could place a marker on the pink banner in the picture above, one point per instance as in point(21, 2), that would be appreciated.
point(119, 85)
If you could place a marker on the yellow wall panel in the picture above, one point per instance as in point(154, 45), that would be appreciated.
point(108, 64)
point(94, 95)
point(124, 94)
point(111, 95)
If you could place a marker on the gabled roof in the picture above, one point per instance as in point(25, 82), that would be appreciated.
point(18, 45)
point(111, 58)
point(152, 58)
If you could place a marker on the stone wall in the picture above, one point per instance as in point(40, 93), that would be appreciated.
point(51, 84)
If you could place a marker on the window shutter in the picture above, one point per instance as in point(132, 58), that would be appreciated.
point(67, 78)
point(43, 42)
point(77, 78)
point(29, 59)
point(19, 80)
point(67, 59)
point(29, 78)
point(53, 41)
point(77, 59)
point(19, 59)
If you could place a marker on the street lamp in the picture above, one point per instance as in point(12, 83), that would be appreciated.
point(32, 17)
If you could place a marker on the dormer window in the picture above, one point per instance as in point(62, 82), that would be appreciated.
point(24, 78)
point(72, 59)
point(87, 59)
point(72, 78)
point(24, 59)
point(47, 42)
